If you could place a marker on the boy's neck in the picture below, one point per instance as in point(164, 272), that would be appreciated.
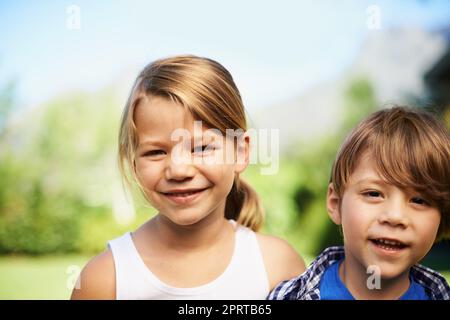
point(354, 276)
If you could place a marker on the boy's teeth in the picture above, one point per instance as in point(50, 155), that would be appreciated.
point(389, 242)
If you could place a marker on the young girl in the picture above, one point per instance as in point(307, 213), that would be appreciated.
point(202, 244)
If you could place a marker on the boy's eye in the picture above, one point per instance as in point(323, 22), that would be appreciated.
point(420, 201)
point(372, 194)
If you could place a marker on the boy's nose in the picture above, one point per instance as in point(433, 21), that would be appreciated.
point(394, 214)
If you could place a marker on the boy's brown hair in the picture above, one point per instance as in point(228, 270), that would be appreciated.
point(411, 149)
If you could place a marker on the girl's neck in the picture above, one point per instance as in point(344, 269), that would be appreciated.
point(199, 236)
point(355, 276)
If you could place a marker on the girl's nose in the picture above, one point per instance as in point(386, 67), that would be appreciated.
point(179, 168)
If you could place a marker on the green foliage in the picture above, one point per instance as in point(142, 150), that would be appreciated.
point(58, 178)
point(359, 102)
point(6, 103)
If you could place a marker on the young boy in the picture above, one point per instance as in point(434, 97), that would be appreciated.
point(390, 192)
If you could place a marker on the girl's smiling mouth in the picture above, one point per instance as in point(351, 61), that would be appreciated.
point(184, 196)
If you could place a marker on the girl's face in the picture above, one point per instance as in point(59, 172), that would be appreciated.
point(182, 166)
point(383, 226)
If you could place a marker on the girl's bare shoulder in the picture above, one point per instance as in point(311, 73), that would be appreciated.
point(281, 260)
point(97, 279)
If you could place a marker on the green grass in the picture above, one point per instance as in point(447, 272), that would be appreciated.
point(49, 277)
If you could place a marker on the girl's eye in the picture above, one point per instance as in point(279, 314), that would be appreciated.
point(154, 153)
point(202, 149)
point(420, 201)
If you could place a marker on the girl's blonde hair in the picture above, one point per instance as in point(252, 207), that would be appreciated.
point(411, 150)
point(207, 90)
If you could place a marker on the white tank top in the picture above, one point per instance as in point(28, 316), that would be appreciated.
point(244, 278)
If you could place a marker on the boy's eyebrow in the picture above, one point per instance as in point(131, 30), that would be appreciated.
point(372, 181)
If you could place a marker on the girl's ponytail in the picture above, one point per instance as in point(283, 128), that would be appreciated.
point(244, 206)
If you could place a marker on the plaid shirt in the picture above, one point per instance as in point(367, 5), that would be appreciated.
point(306, 286)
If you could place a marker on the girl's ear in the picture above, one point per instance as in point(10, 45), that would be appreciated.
point(242, 153)
point(333, 205)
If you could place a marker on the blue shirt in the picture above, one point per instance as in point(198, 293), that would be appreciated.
point(306, 286)
point(332, 288)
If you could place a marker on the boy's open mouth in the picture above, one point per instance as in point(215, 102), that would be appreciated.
point(388, 244)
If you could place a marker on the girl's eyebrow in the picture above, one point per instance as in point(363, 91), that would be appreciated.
point(204, 139)
point(152, 142)
point(194, 140)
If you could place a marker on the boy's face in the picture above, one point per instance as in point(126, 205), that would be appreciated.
point(383, 225)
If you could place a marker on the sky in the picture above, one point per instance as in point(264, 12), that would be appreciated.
point(275, 50)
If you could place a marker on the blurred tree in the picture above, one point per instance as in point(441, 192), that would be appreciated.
point(359, 102)
point(58, 169)
point(295, 197)
point(7, 104)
